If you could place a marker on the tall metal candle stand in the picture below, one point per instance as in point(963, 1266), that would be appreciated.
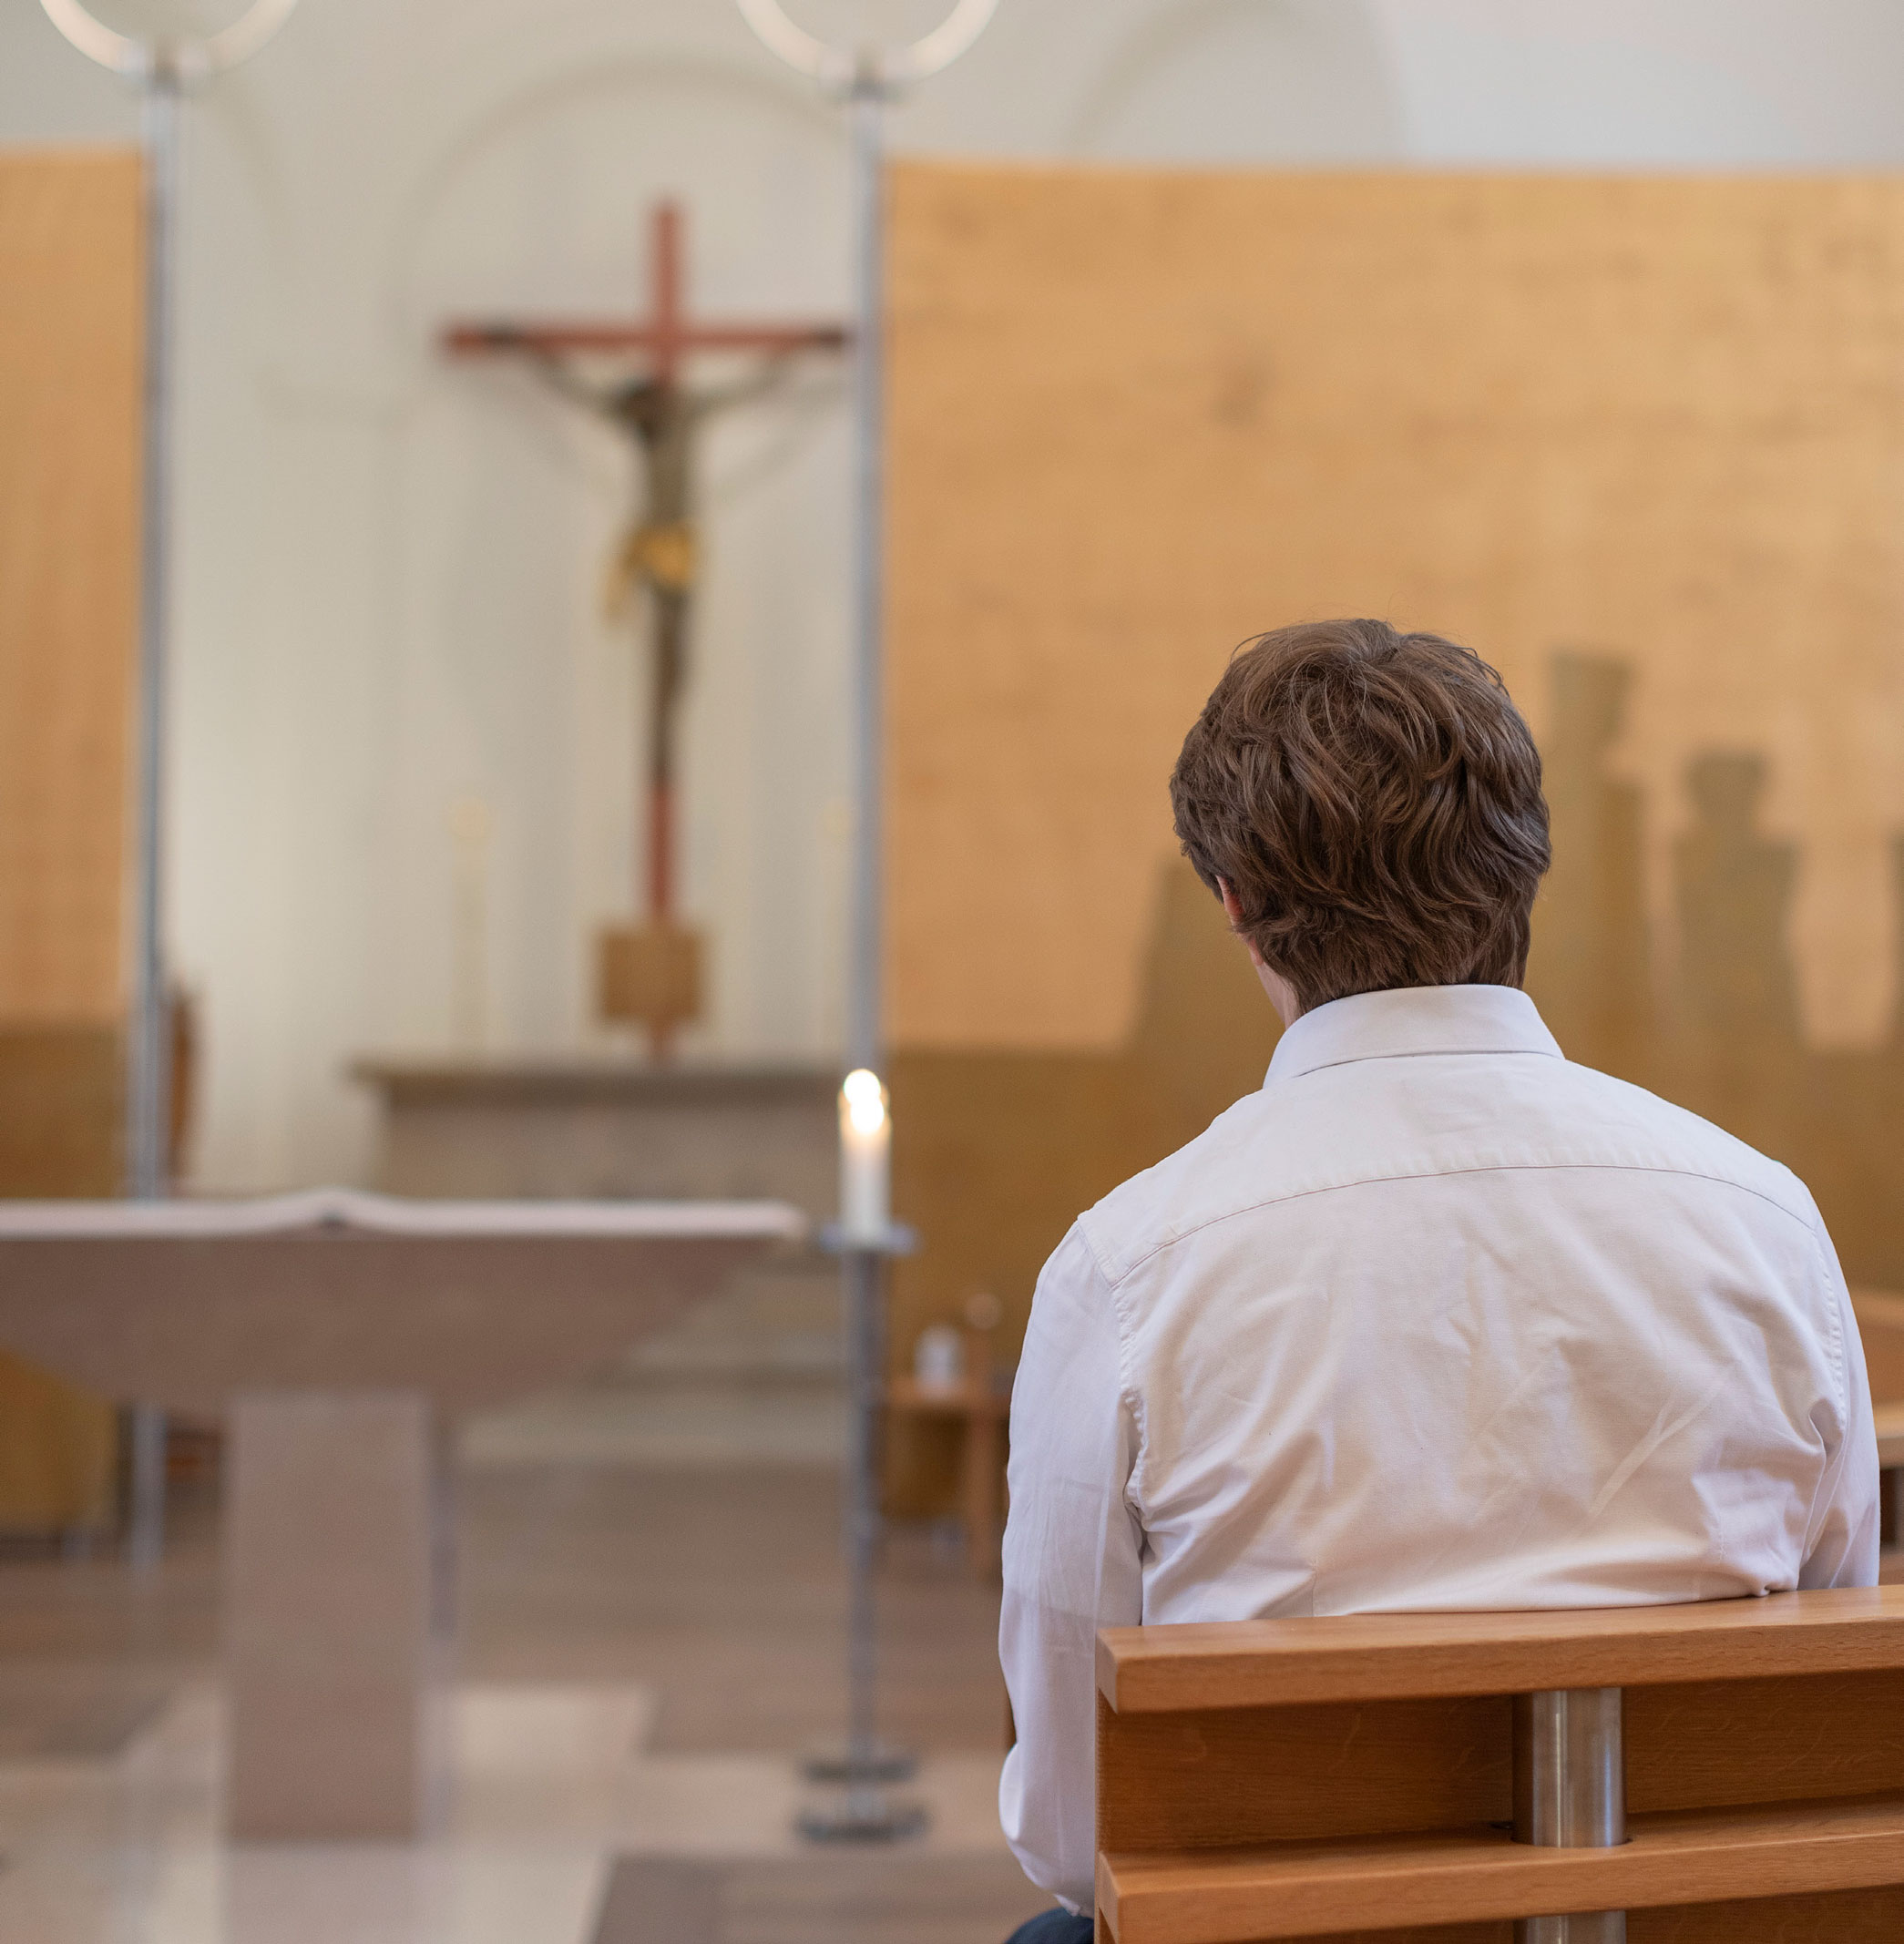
point(867, 79)
point(163, 69)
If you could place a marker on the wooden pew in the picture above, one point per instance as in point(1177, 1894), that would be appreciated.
point(1356, 1779)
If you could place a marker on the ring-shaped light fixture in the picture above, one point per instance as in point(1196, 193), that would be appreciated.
point(190, 60)
point(839, 66)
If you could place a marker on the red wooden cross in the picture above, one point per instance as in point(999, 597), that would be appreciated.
point(667, 336)
point(662, 413)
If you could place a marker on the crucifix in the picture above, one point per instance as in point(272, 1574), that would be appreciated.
point(652, 973)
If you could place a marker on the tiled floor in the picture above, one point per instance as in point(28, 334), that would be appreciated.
point(552, 1787)
point(651, 1614)
point(863, 1899)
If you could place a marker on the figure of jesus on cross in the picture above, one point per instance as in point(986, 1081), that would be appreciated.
point(652, 973)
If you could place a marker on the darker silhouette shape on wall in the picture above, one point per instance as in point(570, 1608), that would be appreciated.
point(1720, 1035)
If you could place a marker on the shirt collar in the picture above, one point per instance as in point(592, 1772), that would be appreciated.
point(1409, 1021)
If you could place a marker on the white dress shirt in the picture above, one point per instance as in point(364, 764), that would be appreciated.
point(1437, 1320)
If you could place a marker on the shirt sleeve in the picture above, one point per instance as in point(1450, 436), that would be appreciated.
point(1841, 1547)
point(1073, 1551)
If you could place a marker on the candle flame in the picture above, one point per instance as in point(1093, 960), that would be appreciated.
point(865, 1100)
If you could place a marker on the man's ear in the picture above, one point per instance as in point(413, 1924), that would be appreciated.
point(1233, 910)
point(1281, 994)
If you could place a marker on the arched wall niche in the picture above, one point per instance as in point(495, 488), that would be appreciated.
point(513, 688)
point(1230, 82)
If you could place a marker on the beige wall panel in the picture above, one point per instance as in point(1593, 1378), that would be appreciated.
point(1137, 417)
point(70, 363)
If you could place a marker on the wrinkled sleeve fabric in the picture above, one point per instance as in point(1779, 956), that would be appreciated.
point(1842, 1546)
point(1073, 1564)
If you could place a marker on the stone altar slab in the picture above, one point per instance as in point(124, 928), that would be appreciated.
point(184, 1302)
point(540, 1125)
point(333, 1327)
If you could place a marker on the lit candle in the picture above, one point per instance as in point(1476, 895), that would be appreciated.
point(866, 1159)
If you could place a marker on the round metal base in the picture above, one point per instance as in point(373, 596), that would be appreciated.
point(863, 1815)
point(877, 1764)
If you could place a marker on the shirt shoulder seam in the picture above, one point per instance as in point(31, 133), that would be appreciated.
point(1128, 1390)
point(1819, 1245)
point(1423, 1174)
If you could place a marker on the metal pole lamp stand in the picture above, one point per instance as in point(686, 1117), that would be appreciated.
point(866, 79)
point(163, 69)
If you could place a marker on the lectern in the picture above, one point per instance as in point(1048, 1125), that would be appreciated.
point(336, 1331)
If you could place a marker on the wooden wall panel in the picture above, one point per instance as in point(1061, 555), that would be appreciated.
point(62, 1106)
point(71, 340)
point(70, 365)
point(1137, 417)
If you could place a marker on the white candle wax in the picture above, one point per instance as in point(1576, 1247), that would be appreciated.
point(866, 1159)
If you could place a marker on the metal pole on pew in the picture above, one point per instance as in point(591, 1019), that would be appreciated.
point(1569, 1793)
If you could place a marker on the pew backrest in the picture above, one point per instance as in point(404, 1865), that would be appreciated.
point(1355, 1777)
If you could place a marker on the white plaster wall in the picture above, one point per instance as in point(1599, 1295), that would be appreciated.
point(389, 568)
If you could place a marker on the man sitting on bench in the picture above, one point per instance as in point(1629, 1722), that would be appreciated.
point(1437, 1320)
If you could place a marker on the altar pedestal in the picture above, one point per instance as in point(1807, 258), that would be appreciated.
point(333, 1327)
point(331, 1654)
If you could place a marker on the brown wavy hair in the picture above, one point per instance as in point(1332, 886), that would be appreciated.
point(1373, 799)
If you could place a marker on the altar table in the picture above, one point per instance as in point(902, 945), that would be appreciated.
point(335, 1330)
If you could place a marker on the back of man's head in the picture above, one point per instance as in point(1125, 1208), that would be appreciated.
point(1373, 801)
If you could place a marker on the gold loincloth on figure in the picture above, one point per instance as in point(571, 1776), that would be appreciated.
point(664, 556)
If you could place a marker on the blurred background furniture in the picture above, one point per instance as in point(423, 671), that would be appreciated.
point(975, 1394)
